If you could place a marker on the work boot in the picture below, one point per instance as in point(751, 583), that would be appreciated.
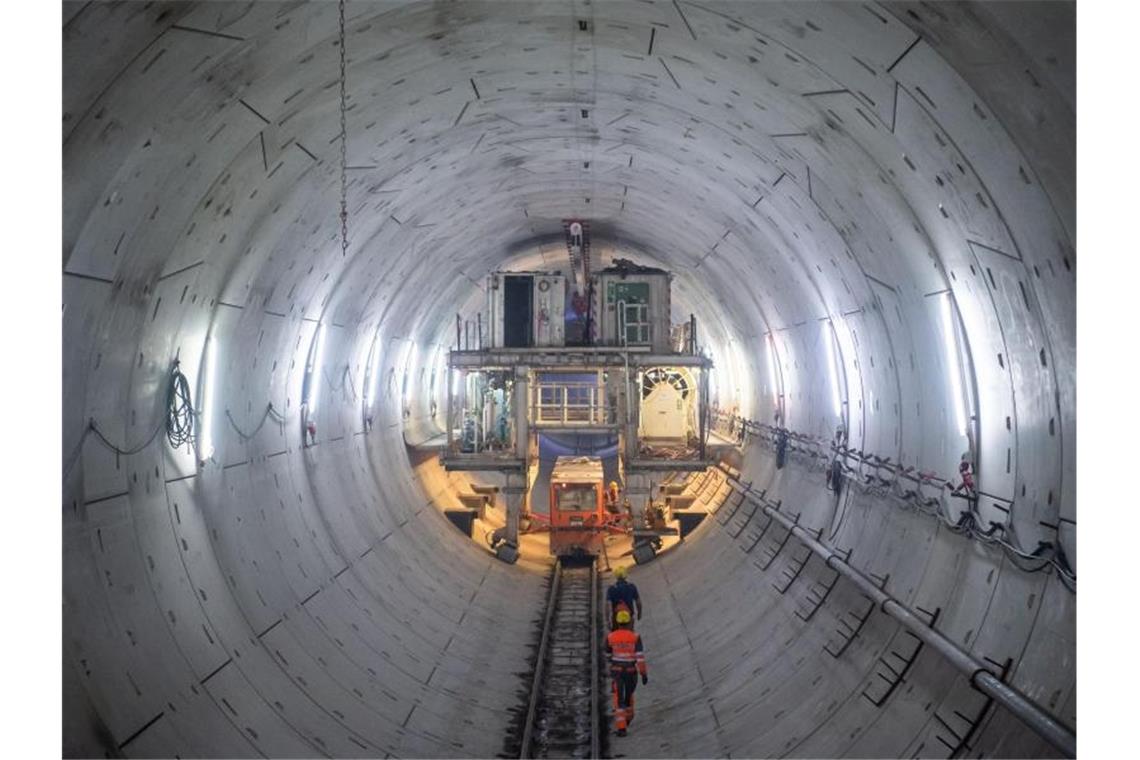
point(621, 732)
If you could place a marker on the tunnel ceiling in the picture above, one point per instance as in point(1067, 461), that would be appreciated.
point(763, 151)
point(788, 162)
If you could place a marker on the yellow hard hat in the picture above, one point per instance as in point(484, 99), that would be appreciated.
point(620, 572)
point(623, 617)
point(613, 484)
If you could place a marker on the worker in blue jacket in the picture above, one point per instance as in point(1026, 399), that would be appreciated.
point(622, 595)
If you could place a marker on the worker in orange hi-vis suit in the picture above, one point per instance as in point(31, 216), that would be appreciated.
point(627, 661)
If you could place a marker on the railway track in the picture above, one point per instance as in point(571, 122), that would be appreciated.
point(563, 718)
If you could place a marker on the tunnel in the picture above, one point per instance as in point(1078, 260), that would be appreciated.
point(870, 209)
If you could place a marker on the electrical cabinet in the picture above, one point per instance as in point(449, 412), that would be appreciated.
point(526, 309)
point(631, 307)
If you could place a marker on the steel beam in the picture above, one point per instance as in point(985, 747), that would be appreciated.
point(482, 463)
point(570, 358)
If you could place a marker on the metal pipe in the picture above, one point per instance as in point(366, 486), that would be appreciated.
point(448, 383)
point(1042, 723)
point(703, 414)
point(981, 677)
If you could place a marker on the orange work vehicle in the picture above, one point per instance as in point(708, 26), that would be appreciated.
point(577, 507)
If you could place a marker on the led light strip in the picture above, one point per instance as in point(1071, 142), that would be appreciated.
point(829, 328)
point(949, 333)
point(772, 368)
point(315, 372)
point(374, 372)
point(206, 445)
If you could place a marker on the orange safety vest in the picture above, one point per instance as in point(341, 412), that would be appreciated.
point(625, 652)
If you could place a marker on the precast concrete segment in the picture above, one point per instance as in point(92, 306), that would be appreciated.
point(743, 660)
point(979, 673)
point(791, 163)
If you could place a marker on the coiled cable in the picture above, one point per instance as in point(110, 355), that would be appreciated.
point(180, 411)
point(178, 423)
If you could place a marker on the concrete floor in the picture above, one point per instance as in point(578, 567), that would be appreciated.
point(794, 164)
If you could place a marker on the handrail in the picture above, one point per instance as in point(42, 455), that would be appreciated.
point(590, 410)
point(878, 472)
point(871, 460)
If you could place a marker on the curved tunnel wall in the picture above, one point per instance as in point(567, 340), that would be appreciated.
point(791, 163)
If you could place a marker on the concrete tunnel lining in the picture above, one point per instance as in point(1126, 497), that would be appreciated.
point(791, 163)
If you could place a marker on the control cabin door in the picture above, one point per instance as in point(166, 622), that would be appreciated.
point(632, 312)
point(518, 311)
point(663, 413)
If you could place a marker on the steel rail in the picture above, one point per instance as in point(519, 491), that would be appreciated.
point(595, 695)
point(981, 677)
point(540, 664)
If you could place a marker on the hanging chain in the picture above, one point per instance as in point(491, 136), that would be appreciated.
point(343, 145)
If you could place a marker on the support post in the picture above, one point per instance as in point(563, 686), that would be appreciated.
point(637, 491)
point(631, 396)
point(703, 412)
point(514, 491)
point(519, 398)
point(449, 419)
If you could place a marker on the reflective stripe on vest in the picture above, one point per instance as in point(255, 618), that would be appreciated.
point(623, 647)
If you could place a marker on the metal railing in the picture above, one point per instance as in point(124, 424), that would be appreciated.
point(928, 492)
point(569, 404)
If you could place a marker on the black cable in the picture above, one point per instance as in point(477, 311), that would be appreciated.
point(1062, 559)
point(967, 522)
point(269, 411)
point(1070, 584)
point(179, 410)
point(76, 451)
point(126, 452)
point(178, 424)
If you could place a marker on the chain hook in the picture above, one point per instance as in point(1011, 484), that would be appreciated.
point(343, 144)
